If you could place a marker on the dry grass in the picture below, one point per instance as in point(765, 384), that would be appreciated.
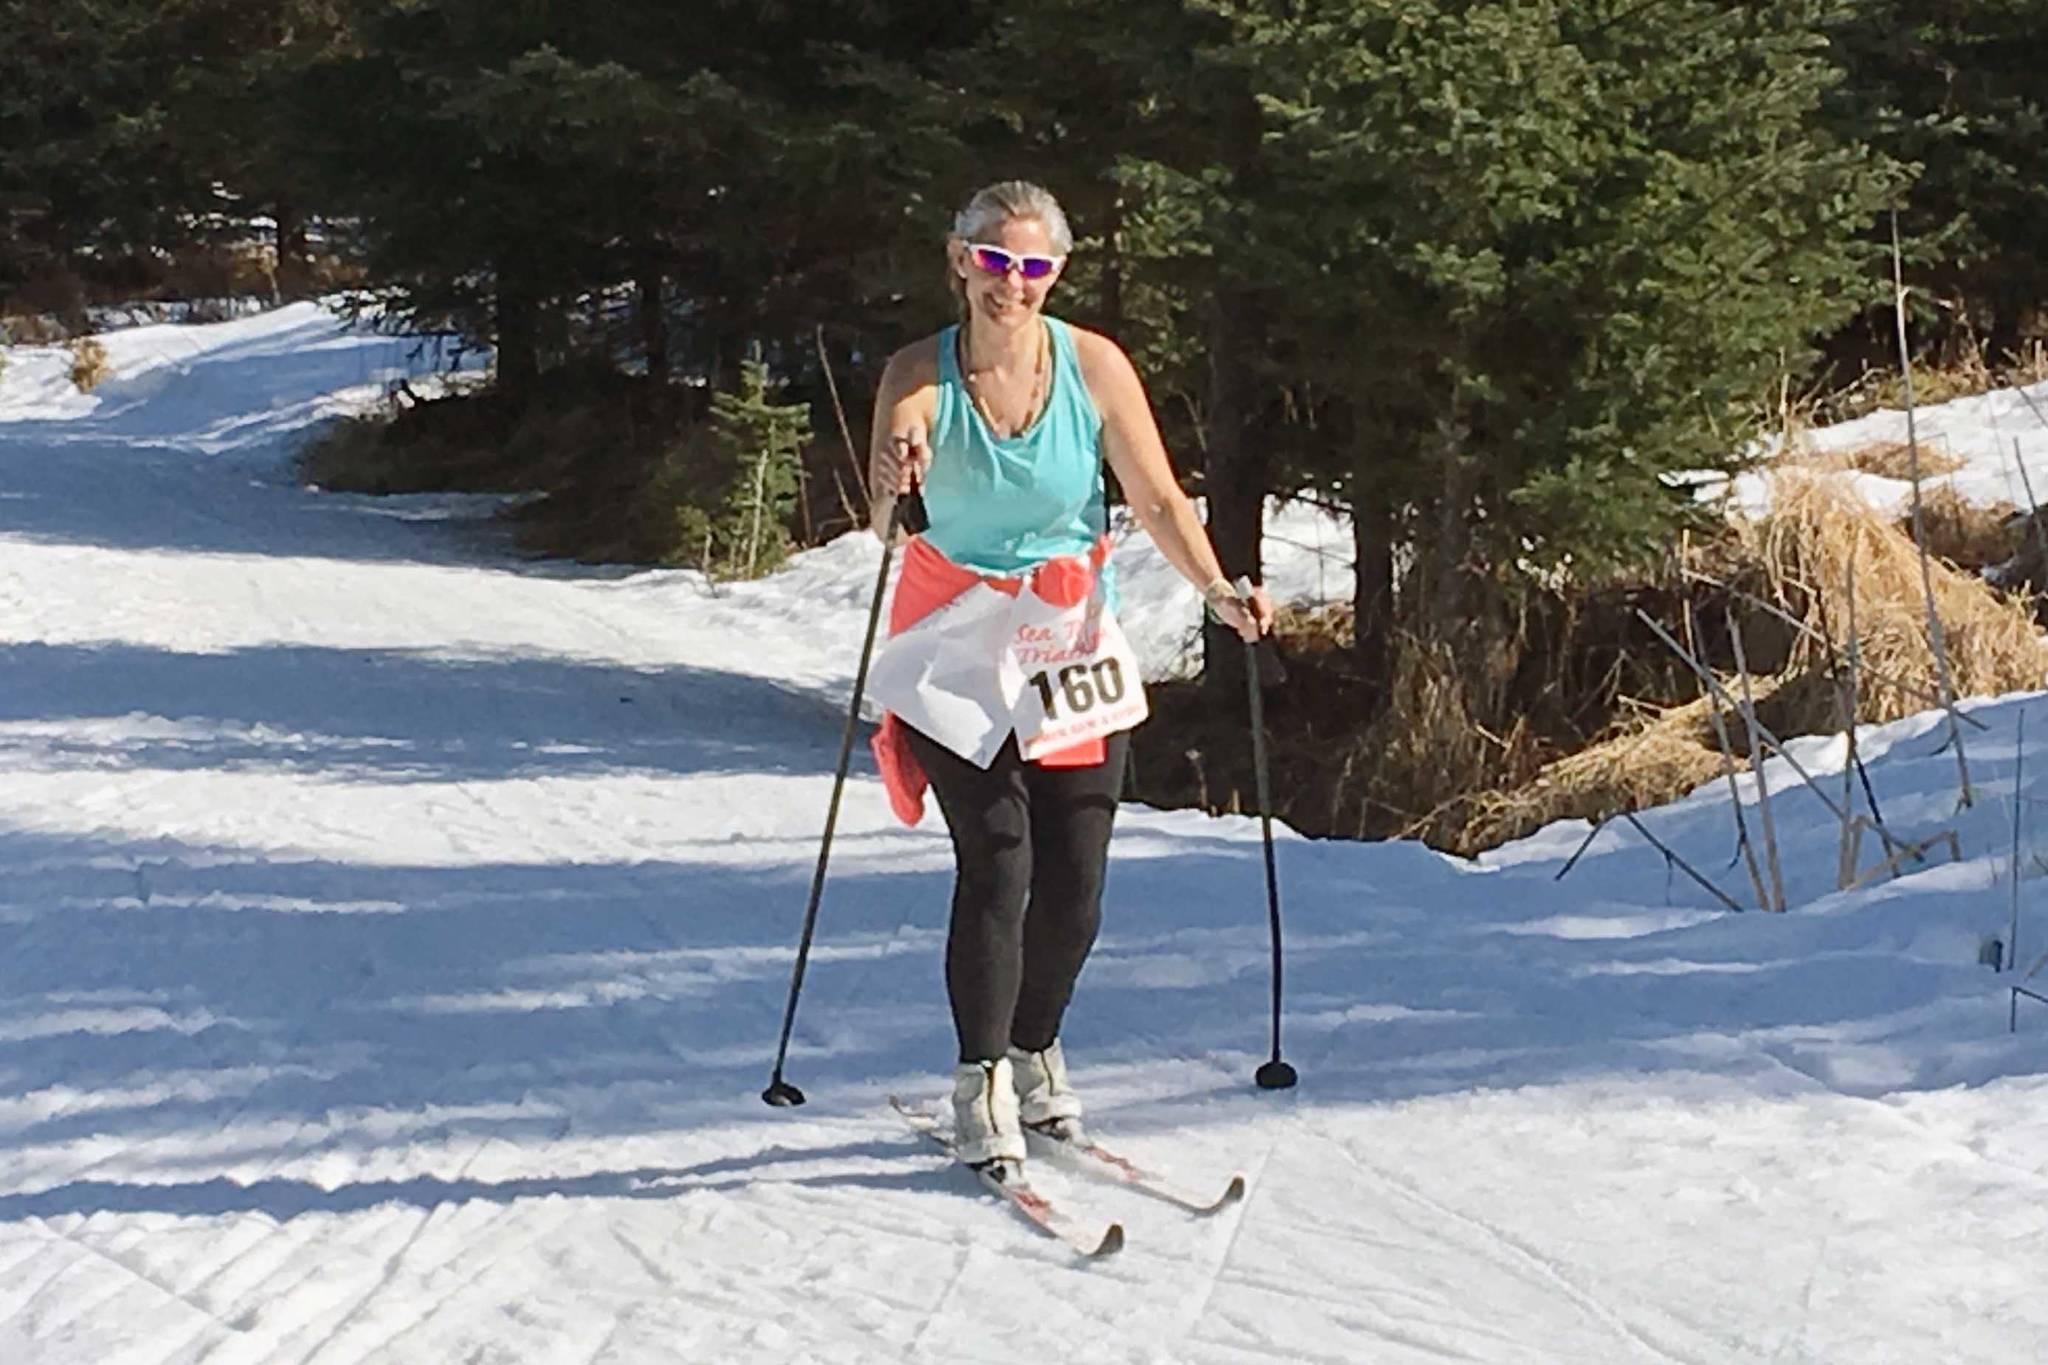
point(1426, 754)
point(1320, 630)
point(1888, 459)
point(1649, 763)
point(89, 364)
point(1965, 375)
point(32, 329)
point(1969, 535)
point(1799, 557)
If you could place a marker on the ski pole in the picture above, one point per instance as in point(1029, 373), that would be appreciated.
point(781, 1093)
point(1274, 1074)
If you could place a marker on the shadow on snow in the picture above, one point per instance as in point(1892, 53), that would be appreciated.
point(397, 715)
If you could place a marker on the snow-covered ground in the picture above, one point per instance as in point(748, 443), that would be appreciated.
point(1997, 443)
point(394, 936)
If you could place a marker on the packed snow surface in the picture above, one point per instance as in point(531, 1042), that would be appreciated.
point(396, 936)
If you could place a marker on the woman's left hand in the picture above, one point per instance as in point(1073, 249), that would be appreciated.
point(1250, 617)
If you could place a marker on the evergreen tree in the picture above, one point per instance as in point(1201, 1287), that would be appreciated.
point(516, 166)
point(246, 60)
point(1955, 87)
point(741, 499)
point(92, 174)
point(1532, 259)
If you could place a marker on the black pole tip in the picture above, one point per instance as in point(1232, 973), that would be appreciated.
point(1275, 1075)
point(782, 1095)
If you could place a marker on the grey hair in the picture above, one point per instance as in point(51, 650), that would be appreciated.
point(993, 205)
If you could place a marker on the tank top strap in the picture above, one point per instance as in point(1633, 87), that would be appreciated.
point(949, 354)
point(950, 421)
point(1079, 415)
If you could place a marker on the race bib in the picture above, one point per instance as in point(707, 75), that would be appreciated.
point(1070, 673)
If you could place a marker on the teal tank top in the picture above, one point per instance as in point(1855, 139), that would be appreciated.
point(1004, 504)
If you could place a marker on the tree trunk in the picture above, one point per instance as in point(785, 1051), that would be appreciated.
point(1234, 479)
point(1460, 600)
point(653, 321)
point(2005, 337)
point(1448, 557)
point(518, 339)
point(1372, 596)
point(294, 261)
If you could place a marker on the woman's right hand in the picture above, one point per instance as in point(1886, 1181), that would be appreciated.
point(900, 462)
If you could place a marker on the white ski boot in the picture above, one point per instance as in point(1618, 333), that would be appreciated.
point(1045, 1102)
point(985, 1128)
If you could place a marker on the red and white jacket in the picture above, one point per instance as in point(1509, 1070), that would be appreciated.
point(973, 659)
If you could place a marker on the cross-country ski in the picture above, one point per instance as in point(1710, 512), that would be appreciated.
point(1090, 1240)
point(1088, 1153)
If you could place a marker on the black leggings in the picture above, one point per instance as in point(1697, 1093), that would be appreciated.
point(1030, 845)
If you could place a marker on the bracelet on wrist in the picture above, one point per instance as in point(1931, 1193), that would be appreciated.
point(1215, 595)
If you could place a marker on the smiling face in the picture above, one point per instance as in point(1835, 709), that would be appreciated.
point(1006, 301)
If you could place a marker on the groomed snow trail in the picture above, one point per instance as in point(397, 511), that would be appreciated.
point(393, 939)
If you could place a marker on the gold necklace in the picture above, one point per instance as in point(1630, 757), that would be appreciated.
point(1040, 389)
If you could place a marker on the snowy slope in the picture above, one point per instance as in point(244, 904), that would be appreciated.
point(395, 937)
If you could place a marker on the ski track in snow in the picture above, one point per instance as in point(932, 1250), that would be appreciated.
point(396, 935)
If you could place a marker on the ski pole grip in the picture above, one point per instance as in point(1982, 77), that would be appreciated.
point(1271, 672)
point(913, 517)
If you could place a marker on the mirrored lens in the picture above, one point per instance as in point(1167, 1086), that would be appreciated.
point(1036, 267)
point(995, 261)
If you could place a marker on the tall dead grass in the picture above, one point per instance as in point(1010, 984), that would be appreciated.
point(1969, 535)
point(1426, 754)
point(1401, 751)
point(1798, 559)
point(1651, 759)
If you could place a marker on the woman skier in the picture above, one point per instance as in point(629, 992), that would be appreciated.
point(1010, 689)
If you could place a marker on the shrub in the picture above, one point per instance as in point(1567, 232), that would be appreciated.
point(89, 364)
point(626, 470)
point(47, 308)
point(446, 444)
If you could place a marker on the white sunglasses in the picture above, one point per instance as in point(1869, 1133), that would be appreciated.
point(994, 260)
